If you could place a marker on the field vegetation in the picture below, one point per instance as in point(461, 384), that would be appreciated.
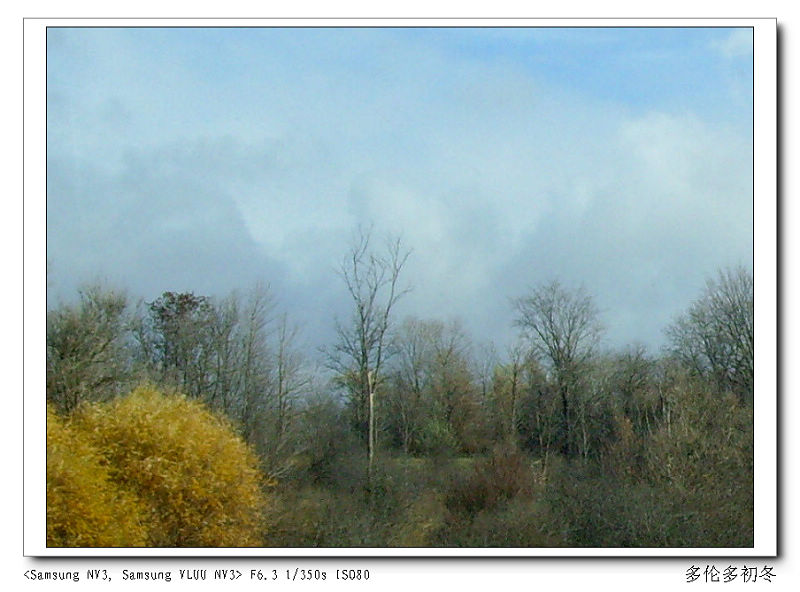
point(193, 421)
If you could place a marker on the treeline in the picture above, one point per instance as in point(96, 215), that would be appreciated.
point(409, 434)
point(235, 355)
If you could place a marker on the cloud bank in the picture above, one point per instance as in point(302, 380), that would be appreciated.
point(212, 159)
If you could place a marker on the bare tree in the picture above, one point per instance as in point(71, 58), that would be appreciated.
point(715, 337)
point(263, 373)
point(288, 380)
point(457, 405)
point(508, 385)
point(486, 360)
point(181, 341)
point(358, 357)
point(410, 380)
point(563, 330)
point(248, 396)
point(222, 330)
point(434, 403)
point(86, 350)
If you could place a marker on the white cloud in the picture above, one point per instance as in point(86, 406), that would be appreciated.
point(738, 43)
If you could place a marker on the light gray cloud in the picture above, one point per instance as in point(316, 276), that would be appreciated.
point(155, 225)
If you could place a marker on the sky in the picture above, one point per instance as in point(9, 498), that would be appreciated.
point(209, 160)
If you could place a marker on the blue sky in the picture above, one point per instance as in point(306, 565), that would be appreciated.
point(212, 159)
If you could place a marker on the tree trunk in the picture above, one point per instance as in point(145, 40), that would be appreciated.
point(565, 448)
point(371, 437)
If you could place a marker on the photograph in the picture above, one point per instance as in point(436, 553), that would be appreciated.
point(413, 289)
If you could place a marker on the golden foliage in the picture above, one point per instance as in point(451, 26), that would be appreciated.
point(197, 478)
point(197, 481)
point(85, 508)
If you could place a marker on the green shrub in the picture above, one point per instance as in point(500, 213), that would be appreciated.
point(437, 438)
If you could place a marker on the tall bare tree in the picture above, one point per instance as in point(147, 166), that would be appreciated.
point(372, 281)
point(563, 330)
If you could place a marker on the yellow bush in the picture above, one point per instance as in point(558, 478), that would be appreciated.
point(84, 507)
point(197, 479)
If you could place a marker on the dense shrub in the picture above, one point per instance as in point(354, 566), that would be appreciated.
point(85, 507)
point(396, 507)
point(624, 457)
point(196, 479)
point(498, 502)
point(705, 456)
point(502, 476)
point(317, 516)
point(517, 522)
point(420, 522)
point(605, 510)
point(687, 484)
